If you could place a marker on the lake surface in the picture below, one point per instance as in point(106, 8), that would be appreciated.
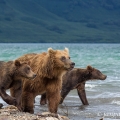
point(103, 96)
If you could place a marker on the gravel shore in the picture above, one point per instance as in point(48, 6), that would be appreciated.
point(12, 113)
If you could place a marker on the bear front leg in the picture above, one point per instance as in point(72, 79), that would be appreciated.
point(53, 100)
point(64, 93)
point(82, 93)
point(43, 100)
point(27, 102)
point(8, 99)
point(16, 91)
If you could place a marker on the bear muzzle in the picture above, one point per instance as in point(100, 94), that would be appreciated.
point(33, 76)
point(71, 66)
point(103, 77)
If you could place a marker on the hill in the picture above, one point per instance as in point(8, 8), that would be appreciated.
point(93, 21)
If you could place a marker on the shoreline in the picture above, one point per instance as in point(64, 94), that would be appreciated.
point(12, 113)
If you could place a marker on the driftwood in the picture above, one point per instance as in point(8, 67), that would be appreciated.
point(12, 113)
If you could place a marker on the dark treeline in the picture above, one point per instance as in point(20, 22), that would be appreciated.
point(46, 21)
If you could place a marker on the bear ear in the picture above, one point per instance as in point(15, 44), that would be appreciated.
point(50, 50)
point(17, 63)
point(89, 68)
point(66, 49)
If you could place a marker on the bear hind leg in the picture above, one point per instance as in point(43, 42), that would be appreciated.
point(43, 100)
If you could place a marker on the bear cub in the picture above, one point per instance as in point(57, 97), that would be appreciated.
point(76, 79)
point(11, 73)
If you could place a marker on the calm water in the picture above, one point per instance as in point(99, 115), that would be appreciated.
point(103, 96)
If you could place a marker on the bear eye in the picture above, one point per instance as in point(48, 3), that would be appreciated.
point(69, 57)
point(28, 68)
point(63, 58)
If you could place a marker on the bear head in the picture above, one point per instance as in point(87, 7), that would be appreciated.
point(22, 69)
point(57, 62)
point(95, 73)
point(61, 59)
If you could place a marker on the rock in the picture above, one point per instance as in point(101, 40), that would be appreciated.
point(12, 113)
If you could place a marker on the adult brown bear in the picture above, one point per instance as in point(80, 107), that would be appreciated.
point(50, 67)
point(75, 79)
point(11, 73)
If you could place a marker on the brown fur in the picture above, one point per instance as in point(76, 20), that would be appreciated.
point(11, 74)
point(49, 67)
point(75, 79)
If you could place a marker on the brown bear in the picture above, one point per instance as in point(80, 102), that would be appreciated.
point(50, 67)
point(11, 73)
point(75, 79)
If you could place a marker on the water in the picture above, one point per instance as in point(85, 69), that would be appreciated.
point(103, 96)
